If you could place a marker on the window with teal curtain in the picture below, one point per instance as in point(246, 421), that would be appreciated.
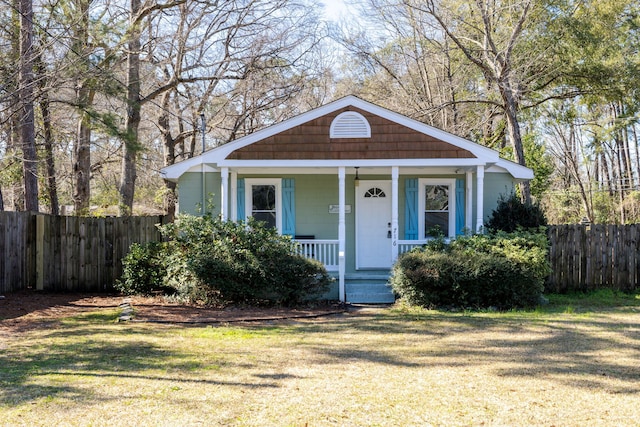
point(411, 209)
point(240, 197)
point(288, 207)
point(460, 209)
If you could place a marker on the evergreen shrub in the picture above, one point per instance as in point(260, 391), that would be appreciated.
point(512, 214)
point(505, 270)
point(211, 261)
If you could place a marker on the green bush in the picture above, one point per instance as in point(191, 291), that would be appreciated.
point(251, 263)
point(512, 214)
point(502, 271)
point(143, 270)
point(211, 261)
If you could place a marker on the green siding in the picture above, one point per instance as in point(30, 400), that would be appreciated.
point(495, 184)
point(190, 192)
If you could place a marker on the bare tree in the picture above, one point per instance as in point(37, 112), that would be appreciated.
point(27, 116)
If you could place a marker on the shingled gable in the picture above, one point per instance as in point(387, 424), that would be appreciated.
point(312, 141)
point(305, 140)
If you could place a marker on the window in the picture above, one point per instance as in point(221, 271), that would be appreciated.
point(375, 192)
point(437, 206)
point(262, 201)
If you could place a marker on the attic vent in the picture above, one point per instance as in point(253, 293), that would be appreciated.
point(350, 125)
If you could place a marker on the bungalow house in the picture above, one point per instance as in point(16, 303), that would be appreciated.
point(354, 183)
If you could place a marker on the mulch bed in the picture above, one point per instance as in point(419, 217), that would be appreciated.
point(25, 310)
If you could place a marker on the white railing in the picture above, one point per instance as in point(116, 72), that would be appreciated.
point(325, 251)
point(407, 245)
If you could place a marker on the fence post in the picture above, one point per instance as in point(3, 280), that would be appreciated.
point(40, 252)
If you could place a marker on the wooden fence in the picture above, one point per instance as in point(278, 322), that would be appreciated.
point(64, 253)
point(58, 253)
point(593, 257)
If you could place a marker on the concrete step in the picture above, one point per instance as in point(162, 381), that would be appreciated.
point(369, 291)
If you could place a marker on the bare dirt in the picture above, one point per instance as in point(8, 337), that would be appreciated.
point(21, 311)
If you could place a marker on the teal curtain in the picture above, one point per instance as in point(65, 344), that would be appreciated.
point(240, 196)
point(460, 208)
point(288, 207)
point(411, 214)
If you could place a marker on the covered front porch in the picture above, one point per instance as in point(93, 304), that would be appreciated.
point(328, 211)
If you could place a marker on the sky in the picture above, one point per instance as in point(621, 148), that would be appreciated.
point(335, 9)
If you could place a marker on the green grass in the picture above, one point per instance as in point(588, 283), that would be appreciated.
point(395, 367)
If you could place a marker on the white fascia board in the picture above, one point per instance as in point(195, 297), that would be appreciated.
point(351, 163)
point(517, 171)
point(175, 171)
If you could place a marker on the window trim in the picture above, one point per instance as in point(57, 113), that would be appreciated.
point(248, 197)
point(451, 183)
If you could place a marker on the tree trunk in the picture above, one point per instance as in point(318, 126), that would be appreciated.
point(27, 119)
point(130, 146)
point(84, 100)
point(52, 188)
point(82, 163)
point(169, 156)
point(513, 130)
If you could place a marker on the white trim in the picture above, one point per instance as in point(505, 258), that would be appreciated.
point(342, 235)
point(248, 197)
point(395, 173)
point(387, 163)
point(468, 204)
point(233, 193)
point(451, 182)
point(350, 124)
point(224, 193)
point(480, 201)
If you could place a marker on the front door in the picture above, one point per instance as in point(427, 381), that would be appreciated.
point(373, 224)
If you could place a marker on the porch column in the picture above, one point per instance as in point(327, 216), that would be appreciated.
point(233, 196)
point(468, 204)
point(224, 193)
point(395, 172)
point(480, 205)
point(342, 232)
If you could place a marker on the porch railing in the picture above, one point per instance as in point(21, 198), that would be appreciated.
point(407, 245)
point(325, 251)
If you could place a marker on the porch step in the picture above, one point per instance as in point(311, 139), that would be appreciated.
point(369, 289)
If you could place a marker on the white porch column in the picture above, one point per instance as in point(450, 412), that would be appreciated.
point(342, 233)
point(233, 196)
point(395, 173)
point(224, 193)
point(480, 193)
point(468, 204)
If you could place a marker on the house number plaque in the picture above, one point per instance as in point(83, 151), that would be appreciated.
point(334, 209)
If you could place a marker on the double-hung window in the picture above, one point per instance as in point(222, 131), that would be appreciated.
point(437, 207)
point(262, 201)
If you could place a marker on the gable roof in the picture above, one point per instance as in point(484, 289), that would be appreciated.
point(305, 140)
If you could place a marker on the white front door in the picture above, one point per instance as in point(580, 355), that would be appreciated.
point(373, 224)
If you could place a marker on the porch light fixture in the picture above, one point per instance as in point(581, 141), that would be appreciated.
point(357, 179)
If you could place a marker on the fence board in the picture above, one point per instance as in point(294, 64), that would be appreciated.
point(592, 257)
point(59, 253)
point(84, 254)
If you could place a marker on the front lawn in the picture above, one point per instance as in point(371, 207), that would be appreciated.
point(571, 363)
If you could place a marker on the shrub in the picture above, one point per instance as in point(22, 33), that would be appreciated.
point(502, 271)
point(210, 261)
point(143, 270)
point(251, 263)
point(511, 214)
